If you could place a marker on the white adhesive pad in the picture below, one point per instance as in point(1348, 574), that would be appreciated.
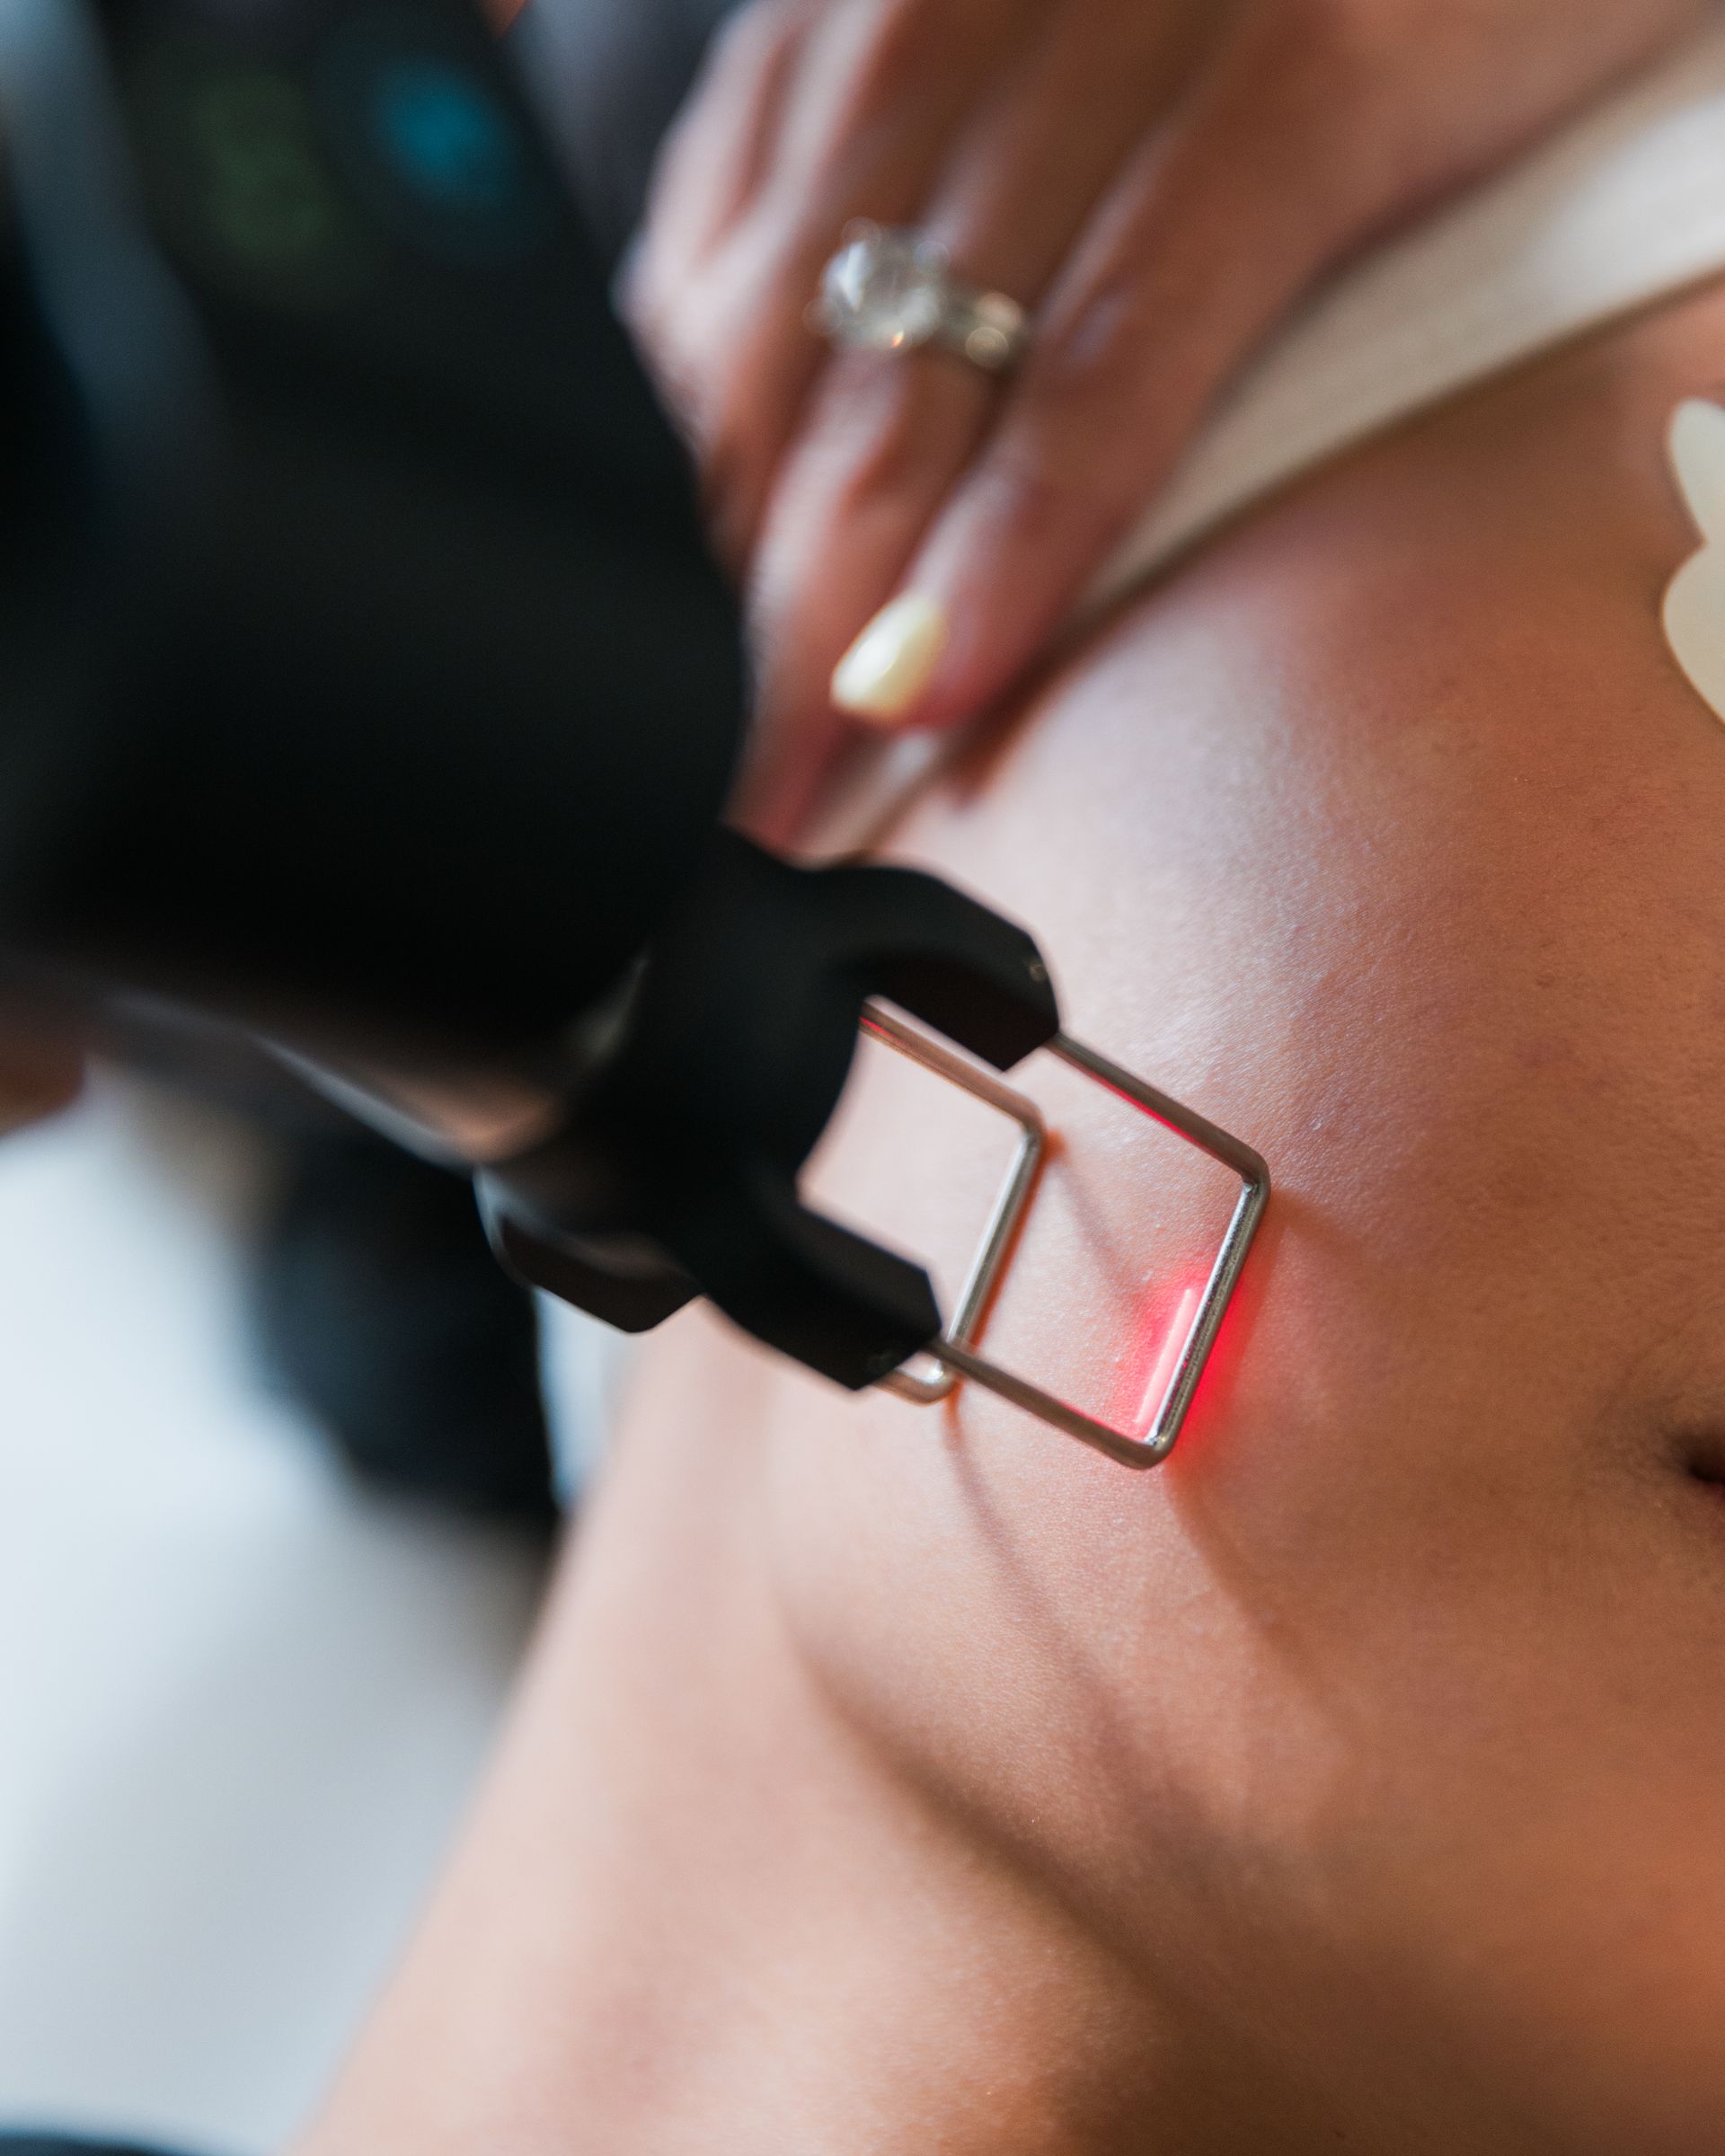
point(1694, 605)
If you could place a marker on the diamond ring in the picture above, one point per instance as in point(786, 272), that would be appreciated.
point(892, 290)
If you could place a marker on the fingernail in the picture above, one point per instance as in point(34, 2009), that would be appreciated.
point(888, 667)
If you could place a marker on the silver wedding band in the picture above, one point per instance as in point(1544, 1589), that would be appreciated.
point(891, 289)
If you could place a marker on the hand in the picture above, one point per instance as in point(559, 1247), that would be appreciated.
point(1159, 180)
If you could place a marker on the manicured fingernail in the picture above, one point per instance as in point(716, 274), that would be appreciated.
point(888, 667)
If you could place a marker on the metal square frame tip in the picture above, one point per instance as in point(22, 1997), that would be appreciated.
point(954, 1355)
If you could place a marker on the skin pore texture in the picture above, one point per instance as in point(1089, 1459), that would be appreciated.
point(891, 1780)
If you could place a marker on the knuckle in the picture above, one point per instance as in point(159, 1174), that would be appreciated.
point(1340, 34)
point(890, 462)
point(658, 320)
point(1089, 353)
point(909, 42)
point(1312, 54)
point(707, 396)
point(746, 38)
point(900, 434)
point(898, 34)
point(641, 290)
point(1323, 82)
point(865, 430)
point(723, 422)
point(1067, 466)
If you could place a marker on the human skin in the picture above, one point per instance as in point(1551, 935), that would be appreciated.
point(1159, 181)
point(893, 1780)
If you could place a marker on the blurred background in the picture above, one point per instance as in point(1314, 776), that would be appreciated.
point(244, 1690)
point(277, 1492)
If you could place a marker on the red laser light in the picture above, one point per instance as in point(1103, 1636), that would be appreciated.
point(1162, 1371)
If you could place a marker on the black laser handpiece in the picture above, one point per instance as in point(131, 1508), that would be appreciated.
point(365, 682)
point(396, 691)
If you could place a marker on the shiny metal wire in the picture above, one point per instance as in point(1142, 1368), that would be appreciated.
point(955, 1352)
point(1014, 1195)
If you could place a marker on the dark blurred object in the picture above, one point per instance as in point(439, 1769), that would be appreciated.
point(55, 2145)
point(389, 700)
point(365, 674)
point(373, 686)
point(610, 76)
point(378, 1304)
point(378, 1307)
point(677, 1173)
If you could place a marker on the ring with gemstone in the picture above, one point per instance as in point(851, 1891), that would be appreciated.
point(891, 289)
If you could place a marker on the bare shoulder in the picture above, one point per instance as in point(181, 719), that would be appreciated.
point(1302, 829)
point(1339, 834)
point(1325, 1779)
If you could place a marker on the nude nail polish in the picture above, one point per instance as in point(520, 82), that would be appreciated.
point(888, 665)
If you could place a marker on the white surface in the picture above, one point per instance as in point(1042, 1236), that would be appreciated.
point(241, 1707)
point(1621, 207)
point(1695, 604)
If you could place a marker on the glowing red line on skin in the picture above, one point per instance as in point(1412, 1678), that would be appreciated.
point(1161, 1372)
